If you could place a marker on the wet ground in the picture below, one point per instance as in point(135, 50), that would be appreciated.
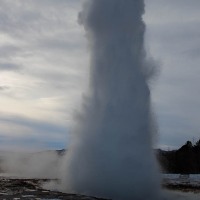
point(184, 183)
point(31, 189)
point(19, 189)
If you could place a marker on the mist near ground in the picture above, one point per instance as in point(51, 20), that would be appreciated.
point(44, 164)
point(50, 165)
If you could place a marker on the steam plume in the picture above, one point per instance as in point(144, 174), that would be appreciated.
point(111, 153)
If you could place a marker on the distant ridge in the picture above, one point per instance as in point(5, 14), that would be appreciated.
point(185, 160)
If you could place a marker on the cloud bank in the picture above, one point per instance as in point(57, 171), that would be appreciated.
point(44, 63)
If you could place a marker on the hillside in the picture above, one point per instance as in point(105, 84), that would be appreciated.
point(185, 160)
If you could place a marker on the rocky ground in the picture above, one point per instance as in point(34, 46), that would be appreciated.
point(31, 189)
point(184, 183)
point(17, 189)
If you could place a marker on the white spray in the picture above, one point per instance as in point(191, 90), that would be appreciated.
point(111, 153)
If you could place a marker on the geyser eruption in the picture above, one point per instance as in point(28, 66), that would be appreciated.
point(111, 153)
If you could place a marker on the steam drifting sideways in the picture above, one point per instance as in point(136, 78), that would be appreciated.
point(111, 153)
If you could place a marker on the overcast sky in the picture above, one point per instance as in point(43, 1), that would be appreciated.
point(44, 66)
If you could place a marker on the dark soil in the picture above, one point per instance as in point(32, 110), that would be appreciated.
point(30, 189)
point(184, 185)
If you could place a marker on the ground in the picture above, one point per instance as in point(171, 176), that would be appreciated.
point(31, 189)
point(184, 182)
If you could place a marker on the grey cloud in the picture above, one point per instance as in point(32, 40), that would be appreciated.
point(57, 80)
point(13, 26)
point(193, 52)
point(22, 19)
point(32, 133)
point(173, 23)
point(41, 38)
point(175, 36)
point(18, 17)
point(175, 129)
point(57, 44)
point(45, 34)
point(36, 125)
point(9, 67)
point(177, 3)
point(173, 7)
point(44, 39)
point(7, 51)
point(42, 35)
point(173, 29)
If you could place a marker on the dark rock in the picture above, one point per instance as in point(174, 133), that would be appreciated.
point(31, 189)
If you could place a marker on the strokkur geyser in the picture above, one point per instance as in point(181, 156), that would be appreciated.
point(111, 153)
